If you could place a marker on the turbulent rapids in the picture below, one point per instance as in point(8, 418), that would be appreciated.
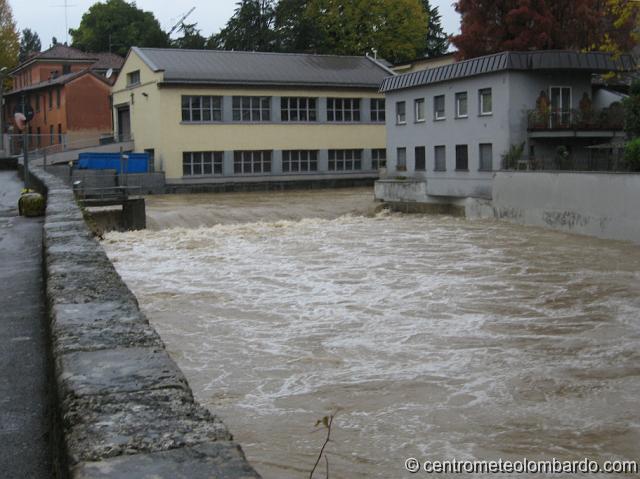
point(433, 337)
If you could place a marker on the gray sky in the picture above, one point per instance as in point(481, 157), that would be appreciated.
point(47, 17)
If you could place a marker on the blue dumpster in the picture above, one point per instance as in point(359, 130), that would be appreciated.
point(136, 162)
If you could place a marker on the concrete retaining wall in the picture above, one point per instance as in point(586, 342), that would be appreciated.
point(125, 410)
point(604, 205)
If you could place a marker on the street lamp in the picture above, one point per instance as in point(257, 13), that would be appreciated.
point(2, 76)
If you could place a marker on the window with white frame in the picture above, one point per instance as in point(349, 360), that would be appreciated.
point(378, 158)
point(251, 108)
point(343, 109)
point(345, 160)
point(440, 157)
point(420, 158)
point(298, 109)
point(197, 109)
point(251, 162)
point(486, 101)
point(133, 78)
point(486, 157)
point(202, 163)
point(462, 110)
point(378, 114)
point(438, 107)
point(462, 158)
point(401, 112)
point(418, 107)
point(401, 159)
point(299, 160)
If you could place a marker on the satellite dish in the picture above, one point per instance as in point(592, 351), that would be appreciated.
point(109, 73)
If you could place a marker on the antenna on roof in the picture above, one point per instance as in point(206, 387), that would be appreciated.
point(66, 7)
point(109, 73)
point(182, 19)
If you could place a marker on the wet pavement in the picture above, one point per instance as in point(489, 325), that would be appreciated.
point(24, 414)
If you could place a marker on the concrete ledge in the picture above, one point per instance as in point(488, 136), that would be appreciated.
point(124, 408)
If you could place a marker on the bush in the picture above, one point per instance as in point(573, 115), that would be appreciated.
point(31, 204)
point(631, 106)
point(632, 155)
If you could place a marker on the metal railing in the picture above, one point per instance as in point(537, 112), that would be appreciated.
point(40, 145)
point(609, 119)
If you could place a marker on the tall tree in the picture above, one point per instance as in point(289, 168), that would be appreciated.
point(623, 33)
point(249, 29)
point(116, 26)
point(29, 44)
point(190, 38)
point(295, 31)
point(396, 30)
point(490, 26)
point(9, 39)
point(437, 41)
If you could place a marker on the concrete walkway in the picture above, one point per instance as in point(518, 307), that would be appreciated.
point(24, 412)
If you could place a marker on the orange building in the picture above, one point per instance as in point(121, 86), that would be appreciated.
point(69, 92)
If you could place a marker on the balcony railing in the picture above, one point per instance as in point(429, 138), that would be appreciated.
point(608, 119)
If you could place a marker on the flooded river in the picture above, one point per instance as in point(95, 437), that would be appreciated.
point(430, 336)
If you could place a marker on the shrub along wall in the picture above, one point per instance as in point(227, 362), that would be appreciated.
point(124, 409)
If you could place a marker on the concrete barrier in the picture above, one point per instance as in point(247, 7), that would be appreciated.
point(124, 409)
point(604, 205)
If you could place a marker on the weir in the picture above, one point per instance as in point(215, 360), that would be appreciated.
point(123, 407)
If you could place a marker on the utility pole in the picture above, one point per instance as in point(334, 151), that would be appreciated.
point(25, 146)
point(2, 70)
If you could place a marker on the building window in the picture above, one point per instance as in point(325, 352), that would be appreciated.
point(52, 136)
point(299, 160)
point(419, 110)
point(251, 162)
point(37, 103)
point(486, 157)
point(486, 101)
point(378, 113)
point(133, 78)
point(38, 138)
point(421, 158)
point(298, 109)
point(251, 108)
point(202, 163)
point(66, 69)
point(201, 108)
point(343, 109)
point(58, 97)
point(462, 110)
point(378, 158)
point(401, 163)
point(401, 113)
point(440, 155)
point(462, 158)
point(59, 133)
point(345, 160)
point(438, 108)
point(50, 99)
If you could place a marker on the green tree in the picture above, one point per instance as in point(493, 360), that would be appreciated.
point(437, 41)
point(29, 43)
point(631, 106)
point(9, 39)
point(396, 30)
point(116, 26)
point(295, 31)
point(249, 29)
point(190, 38)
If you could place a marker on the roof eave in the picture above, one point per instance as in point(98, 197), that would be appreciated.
point(236, 83)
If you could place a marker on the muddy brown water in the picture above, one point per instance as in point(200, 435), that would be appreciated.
point(433, 337)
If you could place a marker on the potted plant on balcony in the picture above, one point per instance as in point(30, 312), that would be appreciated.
point(586, 112)
point(540, 116)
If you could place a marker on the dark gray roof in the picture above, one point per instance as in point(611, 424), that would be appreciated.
point(254, 68)
point(595, 62)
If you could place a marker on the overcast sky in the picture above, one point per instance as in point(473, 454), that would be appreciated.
point(47, 17)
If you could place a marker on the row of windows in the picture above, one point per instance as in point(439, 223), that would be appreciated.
point(440, 158)
point(206, 163)
point(485, 107)
point(197, 109)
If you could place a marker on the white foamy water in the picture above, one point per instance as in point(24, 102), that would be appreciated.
point(433, 337)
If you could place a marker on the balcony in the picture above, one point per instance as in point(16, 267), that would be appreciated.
point(606, 123)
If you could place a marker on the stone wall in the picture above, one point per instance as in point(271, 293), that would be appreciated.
point(604, 205)
point(124, 409)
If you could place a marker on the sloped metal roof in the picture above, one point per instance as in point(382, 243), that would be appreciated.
point(595, 62)
point(255, 68)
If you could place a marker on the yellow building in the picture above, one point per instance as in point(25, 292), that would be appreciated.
point(226, 117)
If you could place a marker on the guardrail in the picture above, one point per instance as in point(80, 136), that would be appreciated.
point(610, 119)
